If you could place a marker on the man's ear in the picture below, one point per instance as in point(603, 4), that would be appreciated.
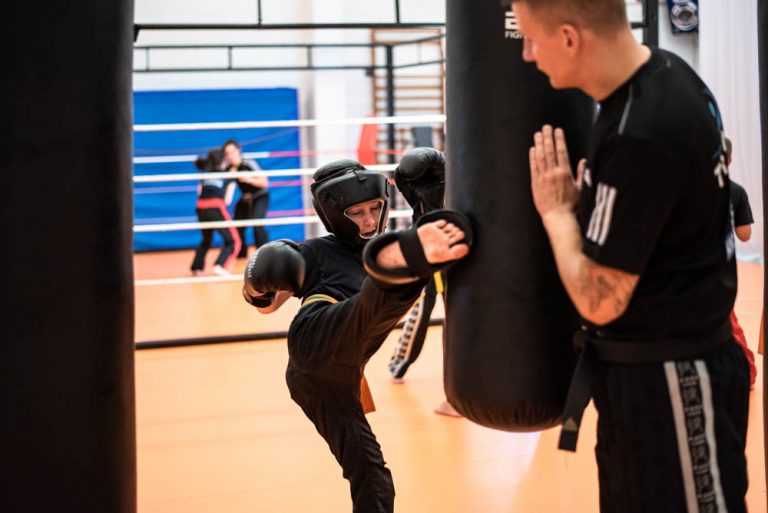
point(571, 36)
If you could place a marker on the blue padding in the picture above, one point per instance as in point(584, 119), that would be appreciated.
point(174, 202)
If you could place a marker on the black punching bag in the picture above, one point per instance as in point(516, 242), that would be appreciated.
point(508, 352)
point(762, 52)
point(66, 368)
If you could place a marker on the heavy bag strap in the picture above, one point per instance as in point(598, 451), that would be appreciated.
point(596, 350)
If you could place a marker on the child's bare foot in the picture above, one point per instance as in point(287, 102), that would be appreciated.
point(446, 409)
point(440, 241)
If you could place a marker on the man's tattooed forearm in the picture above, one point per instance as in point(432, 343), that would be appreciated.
point(598, 285)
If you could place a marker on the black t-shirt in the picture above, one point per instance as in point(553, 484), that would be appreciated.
point(214, 187)
point(656, 203)
point(742, 213)
point(333, 268)
point(246, 188)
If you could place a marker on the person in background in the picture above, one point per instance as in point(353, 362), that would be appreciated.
point(420, 178)
point(213, 197)
point(742, 227)
point(254, 196)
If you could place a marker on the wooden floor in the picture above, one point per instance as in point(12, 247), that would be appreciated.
point(217, 431)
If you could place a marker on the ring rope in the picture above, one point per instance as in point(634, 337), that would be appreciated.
point(254, 155)
point(234, 125)
point(173, 159)
point(183, 177)
point(275, 221)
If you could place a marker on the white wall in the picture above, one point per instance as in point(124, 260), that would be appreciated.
point(273, 12)
point(728, 64)
point(724, 54)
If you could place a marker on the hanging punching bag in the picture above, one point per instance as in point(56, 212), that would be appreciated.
point(66, 368)
point(509, 323)
point(762, 52)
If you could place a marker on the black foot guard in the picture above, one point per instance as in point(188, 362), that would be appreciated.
point(418, 266)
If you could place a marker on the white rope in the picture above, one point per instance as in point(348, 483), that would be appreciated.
point(233, 125)
point(235, 174)
point(183, 281)
point(169, 159)
point(274, 221)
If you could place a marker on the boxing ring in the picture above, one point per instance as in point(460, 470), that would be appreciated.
point(200, 310)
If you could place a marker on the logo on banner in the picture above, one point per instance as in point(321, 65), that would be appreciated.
point(511, 30)
point(684, 15)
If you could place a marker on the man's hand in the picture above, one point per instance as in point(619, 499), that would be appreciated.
point(554, 189)
point(601, 294)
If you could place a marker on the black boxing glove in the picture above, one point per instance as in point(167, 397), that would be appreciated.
point(420, 177)
point(276, 266)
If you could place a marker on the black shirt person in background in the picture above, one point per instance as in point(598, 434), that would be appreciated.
point(742, 212)
point(420, 177)
point(742, 226)
point(254, 196)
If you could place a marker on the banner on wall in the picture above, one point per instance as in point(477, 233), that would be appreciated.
point(684, 16)
point(174, 153)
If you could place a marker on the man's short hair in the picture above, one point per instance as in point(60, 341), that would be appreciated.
point(594, 14)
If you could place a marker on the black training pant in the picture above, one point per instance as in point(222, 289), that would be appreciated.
point(230, 236)
point(671, 435)
point(329, 345)
point(248, 207)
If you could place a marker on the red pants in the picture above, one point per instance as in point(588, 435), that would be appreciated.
point(738, 334)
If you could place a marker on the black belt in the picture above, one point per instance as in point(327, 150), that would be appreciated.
point(595, 351)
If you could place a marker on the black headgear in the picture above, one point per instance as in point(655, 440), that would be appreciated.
point(342, 184)
point(211, 162)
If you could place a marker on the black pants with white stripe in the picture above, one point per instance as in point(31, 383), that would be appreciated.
point(672, 435)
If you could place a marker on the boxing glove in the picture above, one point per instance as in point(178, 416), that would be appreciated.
point(276, 266)
point(420, 177)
